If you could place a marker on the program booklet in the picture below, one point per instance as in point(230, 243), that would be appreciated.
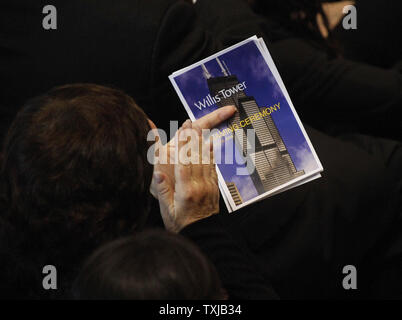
point(263, 149)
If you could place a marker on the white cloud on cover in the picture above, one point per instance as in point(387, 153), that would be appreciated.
point(245, 187)
point(261, 72)
point(303, 158)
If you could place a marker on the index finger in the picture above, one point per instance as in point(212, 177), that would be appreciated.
point(213, 119)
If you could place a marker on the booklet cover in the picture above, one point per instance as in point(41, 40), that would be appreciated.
point(263, 149)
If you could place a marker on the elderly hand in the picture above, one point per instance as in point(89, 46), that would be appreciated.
point(193, 193)
point(209, 121)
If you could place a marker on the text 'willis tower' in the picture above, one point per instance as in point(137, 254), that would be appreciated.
point(272, 161)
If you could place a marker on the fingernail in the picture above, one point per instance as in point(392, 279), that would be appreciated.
point(158, 177)
point(186, 124)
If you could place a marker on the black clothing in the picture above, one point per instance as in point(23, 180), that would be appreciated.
point(351, 216)
point(376, 39)
point(236, 267)
point(22, 263)
point(302, 237)
point(331, 94)
point(136, 44)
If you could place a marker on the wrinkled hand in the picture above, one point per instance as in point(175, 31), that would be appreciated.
point(209, 121)
point(193, 193)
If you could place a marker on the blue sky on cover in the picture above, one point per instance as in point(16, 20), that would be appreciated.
point(248, 64)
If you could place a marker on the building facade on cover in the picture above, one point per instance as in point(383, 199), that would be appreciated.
point(234, 192)
point(272, 161)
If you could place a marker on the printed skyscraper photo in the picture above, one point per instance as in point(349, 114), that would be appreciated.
point(272, 161)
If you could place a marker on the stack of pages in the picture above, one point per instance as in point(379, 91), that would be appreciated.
point(263, 149)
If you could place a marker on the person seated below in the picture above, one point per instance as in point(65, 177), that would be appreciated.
point(75, 175)
point(152, 265)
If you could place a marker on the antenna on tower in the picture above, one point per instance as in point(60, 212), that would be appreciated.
point(227, 69)
point(206, 73)
point(222, 68)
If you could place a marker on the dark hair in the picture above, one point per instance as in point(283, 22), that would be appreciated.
point(151, 265)
point(75, 172)
point(300, 17)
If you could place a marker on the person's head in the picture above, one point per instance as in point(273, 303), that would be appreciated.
point(302, 18)
point(75, 167)
point(150, 265)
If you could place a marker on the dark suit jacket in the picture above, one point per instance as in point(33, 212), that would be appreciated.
point(135, 45)
point(304, 236)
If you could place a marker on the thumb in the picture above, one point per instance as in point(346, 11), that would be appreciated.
point(162, 190)
point(165, 196)
point(159, 184)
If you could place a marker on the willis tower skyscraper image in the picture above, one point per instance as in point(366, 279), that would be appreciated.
point(272, 161)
